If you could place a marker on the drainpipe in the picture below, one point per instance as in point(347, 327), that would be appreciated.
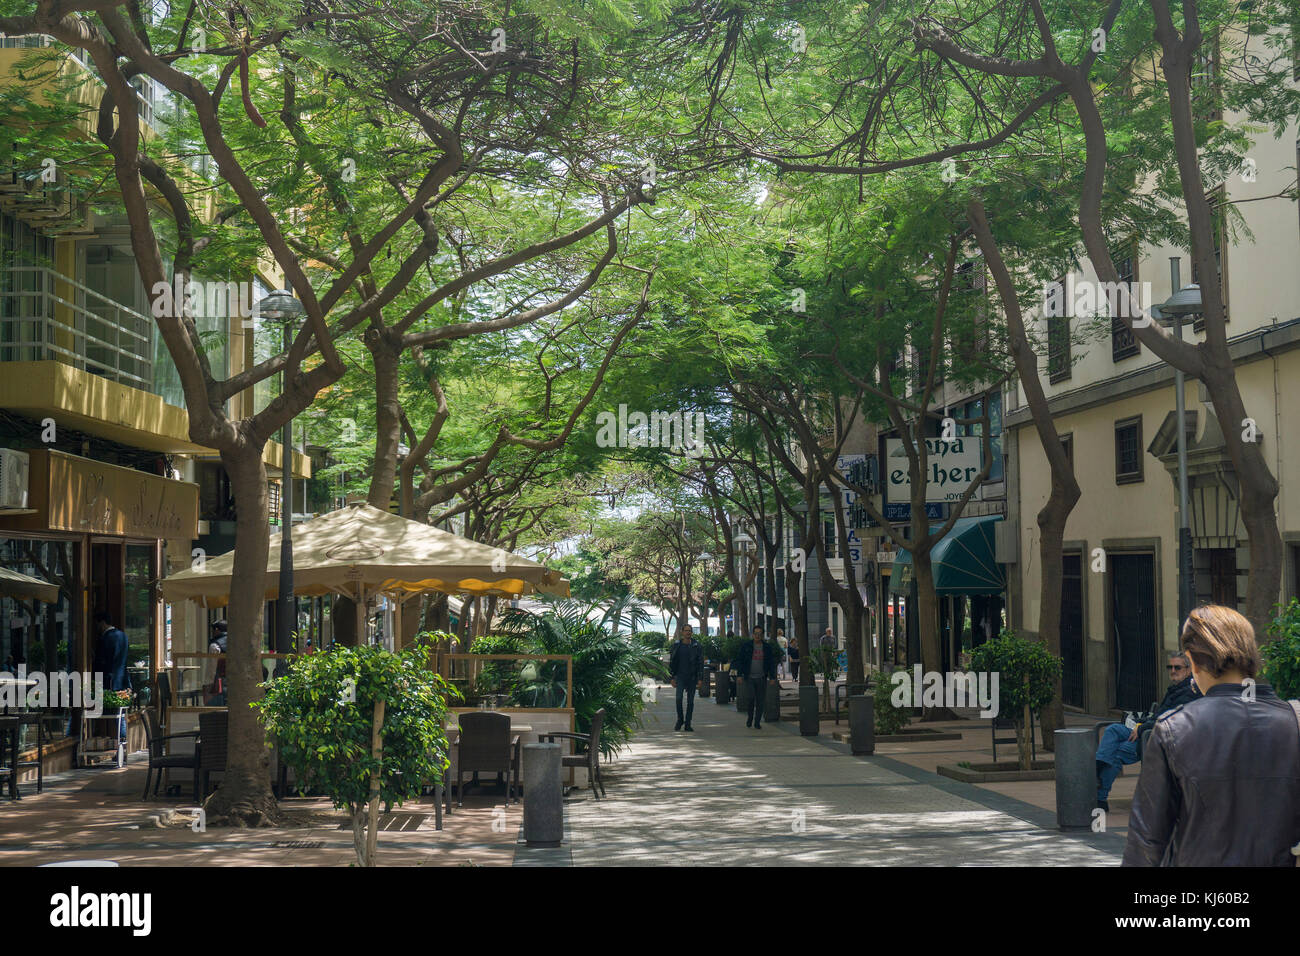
point(1184, 533)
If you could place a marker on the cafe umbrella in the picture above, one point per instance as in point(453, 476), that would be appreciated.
point(360, 551)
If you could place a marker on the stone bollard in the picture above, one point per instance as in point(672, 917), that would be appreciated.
point(809, 710)
point(543, 795)
point(723, 693)
point(862, 723)
point(1076, 777)
point(744, 691)
point(772, 707)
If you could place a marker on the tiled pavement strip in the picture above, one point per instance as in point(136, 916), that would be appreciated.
point(725, 795)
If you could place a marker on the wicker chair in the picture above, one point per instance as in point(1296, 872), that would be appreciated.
point(214, 733)
point(487, 746)
point(591, 757)
point(160, 761)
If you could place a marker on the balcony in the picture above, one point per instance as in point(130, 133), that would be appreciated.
point(45, 316)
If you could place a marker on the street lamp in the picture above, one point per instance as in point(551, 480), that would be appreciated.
point(1184, 301)
point(281, 306)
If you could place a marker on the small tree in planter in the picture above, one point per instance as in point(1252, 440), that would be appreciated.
point(1281, 655)
point(1026, 672)
point(363, 725)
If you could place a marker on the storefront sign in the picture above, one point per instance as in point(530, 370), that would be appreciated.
point(951, 466)
point(903, 512)
point(80, 495)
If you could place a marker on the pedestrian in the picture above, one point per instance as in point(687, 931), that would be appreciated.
point(794, 660)
point(756, 663)
point(216, 691)
point(1118, 746)
point(110, 653)
point(1220, 782)
point(686, 668)
point(784, 645)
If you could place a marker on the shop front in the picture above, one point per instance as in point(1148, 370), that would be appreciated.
point(99, 533)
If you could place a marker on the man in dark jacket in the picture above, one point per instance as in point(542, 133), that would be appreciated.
point(756, 662)
point(110, 653)
point(686, 668)
point(1119, 744)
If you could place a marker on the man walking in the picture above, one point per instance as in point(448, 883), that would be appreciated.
point(110, 653)
point(1119, 745)
point(756, 663)
point(686, 668)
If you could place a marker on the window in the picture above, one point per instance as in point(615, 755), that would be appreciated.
point(974, 410)
point(830, 542)
point(1128, 450)
point(1058, 347)
point(1207, 106)
point(1123, 344)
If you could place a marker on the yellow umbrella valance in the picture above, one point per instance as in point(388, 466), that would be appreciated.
point(361, 550)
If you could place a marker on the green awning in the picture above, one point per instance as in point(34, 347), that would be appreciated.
point(963, 561)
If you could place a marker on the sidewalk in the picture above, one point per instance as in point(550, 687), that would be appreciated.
point(729, 795)
point(97, 814)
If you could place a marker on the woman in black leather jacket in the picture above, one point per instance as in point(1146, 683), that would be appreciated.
point(1220, 783)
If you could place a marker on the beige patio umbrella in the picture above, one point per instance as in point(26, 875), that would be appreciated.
point(360, 551)
point(15, 584)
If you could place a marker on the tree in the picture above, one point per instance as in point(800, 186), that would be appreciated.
point(432, 108)
point(363, 725)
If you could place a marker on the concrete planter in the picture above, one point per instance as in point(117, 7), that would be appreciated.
point(1001, 772)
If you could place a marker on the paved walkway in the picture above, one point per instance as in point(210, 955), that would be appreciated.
point(730, 795)
point(722, 795)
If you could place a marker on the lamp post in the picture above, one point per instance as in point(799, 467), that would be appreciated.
point(281, 306)
point(1184, 301)
point(744, 542)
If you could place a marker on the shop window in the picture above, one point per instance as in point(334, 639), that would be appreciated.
point(38, 636)
point(1059, 360)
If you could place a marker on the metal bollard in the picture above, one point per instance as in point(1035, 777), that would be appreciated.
point(744, 691)
point(705, 682)
point(772, 708)
point(723, 693)
point(862, 723)
point(809, 710)
point(1076, 777)
point(543, 795)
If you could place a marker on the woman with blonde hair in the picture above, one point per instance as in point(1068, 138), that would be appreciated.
point(1220, 783)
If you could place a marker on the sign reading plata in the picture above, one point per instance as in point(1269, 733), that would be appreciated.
point(90, 497)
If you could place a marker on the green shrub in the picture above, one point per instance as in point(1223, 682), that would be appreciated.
point(1281, 655)
point(889, 719)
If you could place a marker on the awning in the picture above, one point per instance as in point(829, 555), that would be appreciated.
point(360, 550)
point(963, 561)
point(15, 584)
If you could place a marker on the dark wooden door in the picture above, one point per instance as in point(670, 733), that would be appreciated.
point(1072, 684)
point(1133, 619)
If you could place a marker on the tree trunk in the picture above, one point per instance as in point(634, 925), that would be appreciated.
point(388, 422)
point(1022, 740)
point(376, 776)
point(245, 798)
point(927, 622)
point(1051, 528)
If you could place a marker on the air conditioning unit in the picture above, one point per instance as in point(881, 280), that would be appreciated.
point(15, 470)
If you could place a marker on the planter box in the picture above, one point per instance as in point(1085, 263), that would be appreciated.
point(907, 736)
point(1002, 772)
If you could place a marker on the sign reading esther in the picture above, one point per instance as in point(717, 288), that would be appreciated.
point(951, 465)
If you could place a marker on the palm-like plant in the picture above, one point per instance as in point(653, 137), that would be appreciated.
point(608, 662)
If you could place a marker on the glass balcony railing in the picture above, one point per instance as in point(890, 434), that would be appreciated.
point(47, 316)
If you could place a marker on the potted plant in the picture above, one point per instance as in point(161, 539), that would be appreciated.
point(1026, 672)
point(1281, 655)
